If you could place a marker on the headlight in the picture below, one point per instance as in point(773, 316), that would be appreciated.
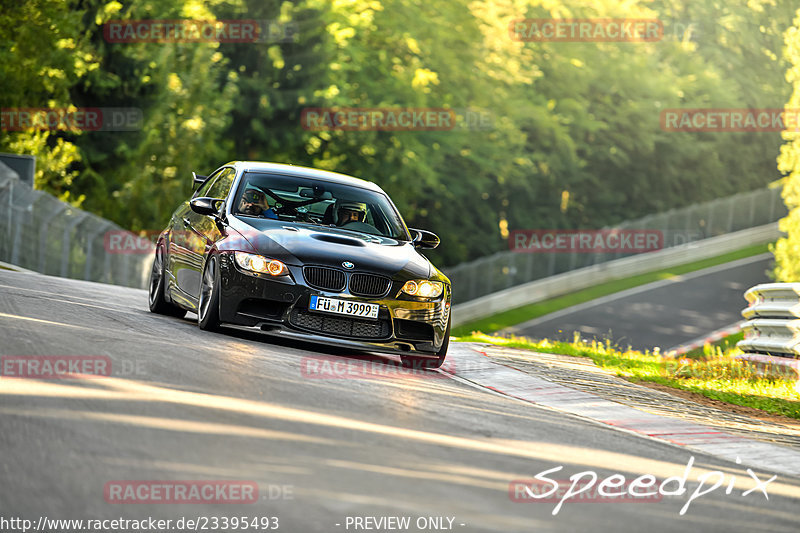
point(261, 264)
point(423, 288)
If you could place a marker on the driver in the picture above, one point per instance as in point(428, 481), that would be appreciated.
point(347, 212)
point(254, 202)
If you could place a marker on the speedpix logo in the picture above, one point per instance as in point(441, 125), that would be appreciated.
point(588, 487)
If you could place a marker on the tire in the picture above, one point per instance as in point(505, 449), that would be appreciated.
point(156, 298)
point(415, 361)
point(208, 302)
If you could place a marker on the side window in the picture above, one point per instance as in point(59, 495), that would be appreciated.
point(203, 190)
point(222, 186)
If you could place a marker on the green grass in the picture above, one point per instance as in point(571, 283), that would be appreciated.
point(531, 311)
point(723, 345)
point(714, 375)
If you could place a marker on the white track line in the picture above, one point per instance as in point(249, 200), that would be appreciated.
point(473, 366)
point(636, 290)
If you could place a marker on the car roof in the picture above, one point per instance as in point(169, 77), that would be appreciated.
point(296, 170)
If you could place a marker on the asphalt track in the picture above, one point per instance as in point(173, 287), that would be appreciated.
point(663, 314)
point(184, 404)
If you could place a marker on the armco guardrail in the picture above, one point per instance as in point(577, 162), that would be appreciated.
point(773, 320)
point(41, 233)
point(537, 291)
point(772, 332)
point(698, 222)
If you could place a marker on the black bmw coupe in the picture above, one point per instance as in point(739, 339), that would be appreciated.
point(303, 253)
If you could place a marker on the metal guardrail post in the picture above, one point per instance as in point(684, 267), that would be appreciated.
point(731, 211)
point(710, 219)
point(490, 277)
point(772, 199)
point(21, 213)
point(65, 244)
point(43, 231)
point(474, 278)
point(773, 320)
point(771, 341)
point(87, 271)
point(529, 267)
point(107, 269)
point(8, 183)
point(126, 263)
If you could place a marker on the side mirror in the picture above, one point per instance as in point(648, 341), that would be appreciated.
point(424, 239)
point(205, 205)
point(197, 180)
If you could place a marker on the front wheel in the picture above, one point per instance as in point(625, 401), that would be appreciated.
point(157, 300)
point(415, 361)
point(208, 306)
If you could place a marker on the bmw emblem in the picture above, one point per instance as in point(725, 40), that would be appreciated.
point(348, 265)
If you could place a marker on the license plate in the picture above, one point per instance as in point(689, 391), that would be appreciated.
point(343, 307)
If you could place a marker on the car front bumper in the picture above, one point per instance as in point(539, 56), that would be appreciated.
point(281, 306)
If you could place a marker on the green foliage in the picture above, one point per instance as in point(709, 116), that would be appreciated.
point(43, 54)
point(787, 250)
point(574, 142)
point(185, 92)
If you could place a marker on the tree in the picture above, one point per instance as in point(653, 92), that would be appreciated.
point(787, 250)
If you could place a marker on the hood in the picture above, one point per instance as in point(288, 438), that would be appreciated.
point(296, 244)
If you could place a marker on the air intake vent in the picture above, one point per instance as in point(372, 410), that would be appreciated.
point(341, 327)
point(369, 285)
point(336, 239)
point(326, 279)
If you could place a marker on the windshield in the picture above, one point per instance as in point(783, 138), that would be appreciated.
point(310, 201)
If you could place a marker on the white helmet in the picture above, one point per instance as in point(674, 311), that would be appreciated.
point(350, 211)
